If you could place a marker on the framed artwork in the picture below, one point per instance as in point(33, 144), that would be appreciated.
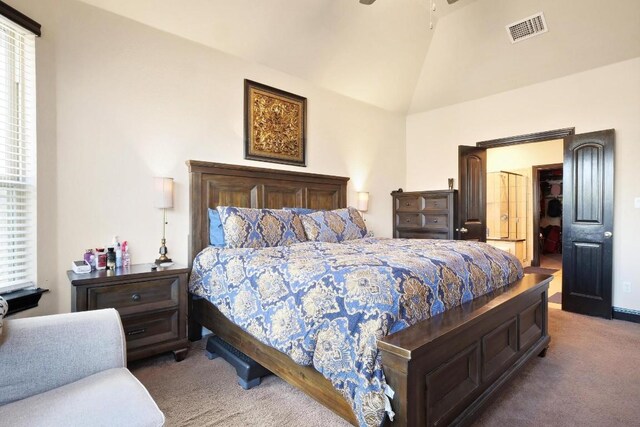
point(275, 125)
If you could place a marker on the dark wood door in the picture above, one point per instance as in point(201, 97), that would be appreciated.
point(587, 230)
point(472, 183)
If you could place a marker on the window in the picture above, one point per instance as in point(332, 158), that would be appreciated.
point(17, 156)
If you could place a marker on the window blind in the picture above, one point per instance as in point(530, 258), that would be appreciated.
point(17, 158)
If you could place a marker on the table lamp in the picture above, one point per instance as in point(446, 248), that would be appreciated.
point(163, 192)
point(363, 201)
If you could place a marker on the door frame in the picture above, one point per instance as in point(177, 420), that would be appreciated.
point(535, 180)
point(528, 138)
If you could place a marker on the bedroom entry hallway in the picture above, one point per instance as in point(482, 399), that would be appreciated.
point(547, 198)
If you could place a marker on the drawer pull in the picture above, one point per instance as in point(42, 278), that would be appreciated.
point(408, 220)
point(136, 332)
point(136, 297)
point(435, 220)
point(408, 204)
point(435, 203)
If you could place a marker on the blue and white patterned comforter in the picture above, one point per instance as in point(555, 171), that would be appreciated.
point(326, 304)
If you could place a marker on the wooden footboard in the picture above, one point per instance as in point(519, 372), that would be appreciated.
point(443, 370)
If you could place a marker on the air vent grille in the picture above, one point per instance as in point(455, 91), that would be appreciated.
point(527, 28)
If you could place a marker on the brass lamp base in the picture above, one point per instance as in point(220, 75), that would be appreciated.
point(163, 253)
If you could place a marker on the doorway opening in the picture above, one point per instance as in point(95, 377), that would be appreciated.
point(524, 206)
point(547, 225)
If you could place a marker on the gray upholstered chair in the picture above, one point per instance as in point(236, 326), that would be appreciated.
point(70, 370)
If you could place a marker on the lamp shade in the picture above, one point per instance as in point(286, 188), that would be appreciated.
point(163, 192)
point(363, 201)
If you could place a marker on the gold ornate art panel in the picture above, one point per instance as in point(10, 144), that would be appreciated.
point(275, 124)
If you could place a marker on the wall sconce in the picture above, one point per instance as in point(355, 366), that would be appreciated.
point(163, 195)
point(363, 201)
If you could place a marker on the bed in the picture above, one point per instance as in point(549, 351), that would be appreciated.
point(443, 370)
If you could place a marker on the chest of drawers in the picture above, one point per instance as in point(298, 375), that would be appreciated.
point(425, 214)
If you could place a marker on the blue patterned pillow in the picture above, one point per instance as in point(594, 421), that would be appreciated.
point(216, 233)
point(260, 228)
point(334, 226)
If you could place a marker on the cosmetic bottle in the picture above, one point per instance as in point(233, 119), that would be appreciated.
point(126, 257)
point(101, 259)
point(118, 256)
point(89, 258)
point(111, 258)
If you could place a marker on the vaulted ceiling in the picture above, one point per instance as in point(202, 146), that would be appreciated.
point(386, 55)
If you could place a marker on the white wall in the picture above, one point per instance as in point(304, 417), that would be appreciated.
point(602, 98)
point(119, 103)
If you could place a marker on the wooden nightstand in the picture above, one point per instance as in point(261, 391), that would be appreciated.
point(152, 305)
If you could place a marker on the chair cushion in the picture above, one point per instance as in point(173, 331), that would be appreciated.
point(109, 398)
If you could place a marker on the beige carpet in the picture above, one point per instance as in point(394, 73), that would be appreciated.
point(590, 377)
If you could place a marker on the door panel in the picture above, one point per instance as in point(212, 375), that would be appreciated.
point(587, 253)
point(472, 180)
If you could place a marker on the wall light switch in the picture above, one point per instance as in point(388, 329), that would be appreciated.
point(636, 203)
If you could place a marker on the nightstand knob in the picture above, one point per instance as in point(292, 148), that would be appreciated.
point(135, 297)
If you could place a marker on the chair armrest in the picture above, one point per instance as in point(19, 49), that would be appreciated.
point(42, 353)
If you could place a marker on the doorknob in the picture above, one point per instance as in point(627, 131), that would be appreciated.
point(608, 234)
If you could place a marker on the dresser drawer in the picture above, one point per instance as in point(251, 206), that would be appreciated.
point(136, 297)
point(408, 203)
point(432, 221)
point(436, 203)
point(409, 220)
point(146, 329)
point(422, 235)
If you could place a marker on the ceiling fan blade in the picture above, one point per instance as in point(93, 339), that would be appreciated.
point(367, 1)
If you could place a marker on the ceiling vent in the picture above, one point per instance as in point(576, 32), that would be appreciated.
point(527, 28)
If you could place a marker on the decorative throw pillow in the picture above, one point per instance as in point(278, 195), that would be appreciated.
point(260, 228)
point(4, 307)
point(216, 233)
point(334, 226)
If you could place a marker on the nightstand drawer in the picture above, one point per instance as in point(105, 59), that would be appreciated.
point(136, 297)
point(151, 328)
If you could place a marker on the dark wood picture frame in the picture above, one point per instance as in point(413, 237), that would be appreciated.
point(275, 125)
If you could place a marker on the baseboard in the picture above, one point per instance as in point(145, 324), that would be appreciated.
point(626, 314)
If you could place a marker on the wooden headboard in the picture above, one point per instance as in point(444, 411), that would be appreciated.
point(215, 184)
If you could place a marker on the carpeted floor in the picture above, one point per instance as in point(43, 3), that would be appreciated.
point(556, 298)
point(590, 377)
